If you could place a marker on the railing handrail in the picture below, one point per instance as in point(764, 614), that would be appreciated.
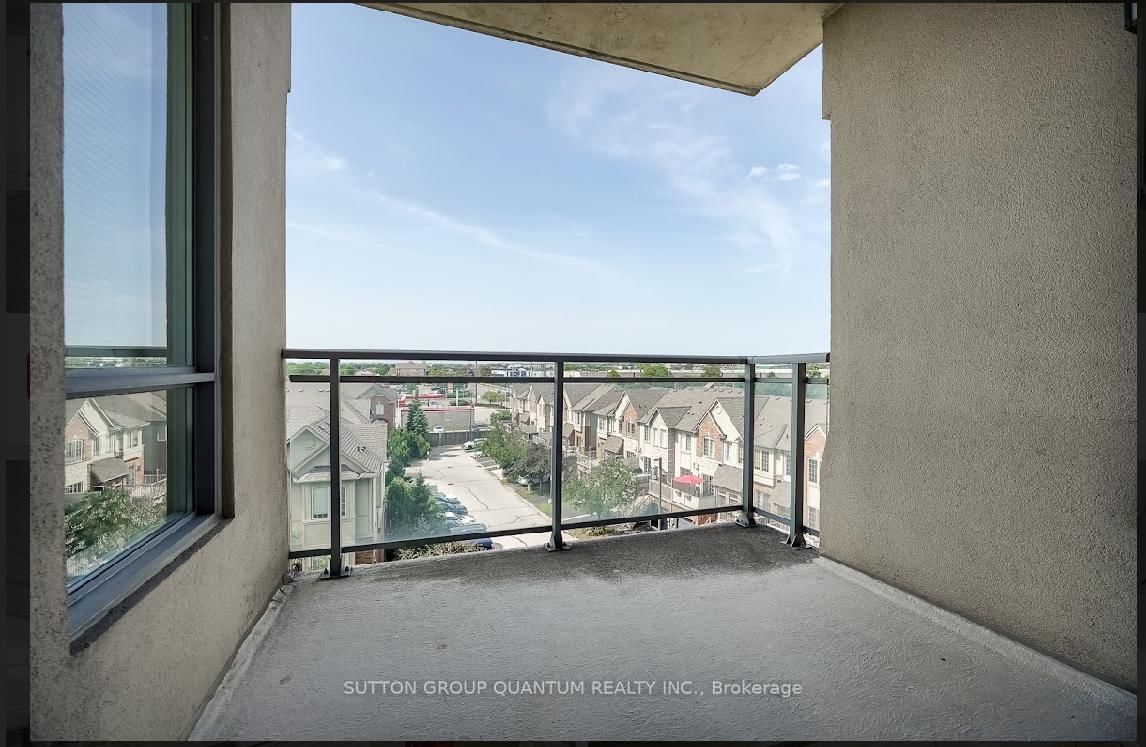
point(799, 380)
point(534, 357)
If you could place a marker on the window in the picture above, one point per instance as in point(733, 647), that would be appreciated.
point(161, 433)
point(729, 452)
point(73, 451)
point(788, 466)
point(342, 501)
point(708, 446)
point(686, 442)
point(814, 471)
point(813, 518)
point(630, 428)
point(75, 487)
point(139, 227)
point(319, 501)
point(763, 461)
point(645, 433)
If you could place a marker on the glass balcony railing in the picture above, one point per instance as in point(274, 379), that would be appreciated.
point(437, 451)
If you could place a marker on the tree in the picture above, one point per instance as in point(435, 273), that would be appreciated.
point(419, 428)
point(107, 519)
point(498, 417)
point(814, 370)
point(404, 448)
point(491, 396)
point(654, 369)
point(608, 488)
point(532, 463)
point(485, 371)
point(712, 370)
point(612, 373)
point(411, 510)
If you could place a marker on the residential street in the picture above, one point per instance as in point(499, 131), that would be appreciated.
point(456, 472)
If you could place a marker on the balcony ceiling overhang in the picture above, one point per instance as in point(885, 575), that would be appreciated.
point(740, 47)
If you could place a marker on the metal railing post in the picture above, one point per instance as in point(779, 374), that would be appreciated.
point(796, 454)
point(335, 502)
point(747, 458)
point(555, 467)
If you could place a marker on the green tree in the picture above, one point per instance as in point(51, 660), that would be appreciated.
point(411, 510)
point(485, 371)
point(492, 397)
point(815, 370)
point(612, 373)
point(712, 370)
point(608, 489)
point(501, 416)
point(107, 519)
point(419, 428)
point(532, 463)
point(654, 369)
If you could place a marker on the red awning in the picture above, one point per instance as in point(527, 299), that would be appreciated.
point(688, 480)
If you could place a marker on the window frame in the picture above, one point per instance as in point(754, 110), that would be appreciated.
point(708, 447)
point(813, 471)
point(193, 338)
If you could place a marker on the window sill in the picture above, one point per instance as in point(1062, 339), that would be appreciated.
point(95, 606)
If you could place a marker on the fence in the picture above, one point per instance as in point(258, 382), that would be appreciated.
point(798, 381)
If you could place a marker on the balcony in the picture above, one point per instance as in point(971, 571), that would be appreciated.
point(715, 603)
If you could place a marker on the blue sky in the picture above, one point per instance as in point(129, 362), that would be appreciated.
point(448, 190)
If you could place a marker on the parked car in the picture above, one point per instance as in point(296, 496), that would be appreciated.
point(484, 543)
point(473, 527)
point(474, 444)
point(447, 505)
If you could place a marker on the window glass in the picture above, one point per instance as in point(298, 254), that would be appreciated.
point(115, 498)
point(125, 197)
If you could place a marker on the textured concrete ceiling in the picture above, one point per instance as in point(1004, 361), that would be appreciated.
point(741, 47)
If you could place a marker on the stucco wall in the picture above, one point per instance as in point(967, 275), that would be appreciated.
point(982, 452)
point(148, 673)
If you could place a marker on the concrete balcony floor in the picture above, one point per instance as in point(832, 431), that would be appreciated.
point(702, 604)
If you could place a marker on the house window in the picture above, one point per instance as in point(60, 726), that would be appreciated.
point(788, 466)
point(73, 451)
point(686, 442)
point(161, 433)
point(814, 471)
point(319, 501)
point(151, 188)
point(631, 428)
point(813, 518)
point(645, 434)
point(729, 452)
point(135, 438)
point(342, 501)
point(763, 461)
point(708, 446)
point(75, 487)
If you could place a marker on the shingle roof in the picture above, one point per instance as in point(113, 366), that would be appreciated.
point(577, 392)
point(134, 410)
point(644, 400)
point(607, 400)
point(349, 443)
point(109, 468)
point(728, 477)
point(451, 421)
point(614, 444)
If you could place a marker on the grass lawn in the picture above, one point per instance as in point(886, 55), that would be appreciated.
point(541, 502)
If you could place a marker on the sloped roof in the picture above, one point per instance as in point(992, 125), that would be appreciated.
point(134, 410)
point(575, 393)
point(109, 468)
point(607, 401)
point(644, 400)
point(728, 477)
point(614, 445)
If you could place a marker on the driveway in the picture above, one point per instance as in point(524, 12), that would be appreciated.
point(456, 472)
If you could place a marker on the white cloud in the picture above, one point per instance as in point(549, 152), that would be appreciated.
point(640, 119)
point(823, 183)
point(306, 157)
point(787, 172)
